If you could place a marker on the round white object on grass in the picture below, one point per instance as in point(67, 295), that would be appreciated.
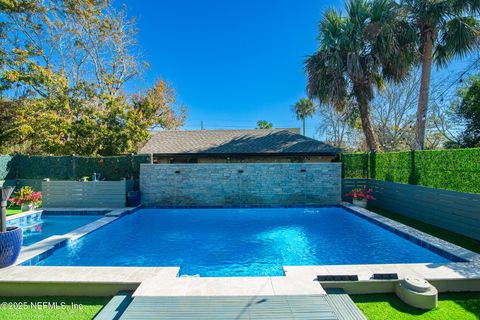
point(417, 284)
point(417, 292)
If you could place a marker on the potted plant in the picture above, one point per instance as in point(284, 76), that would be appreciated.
point(10, 237)
point(27, 198)
point(361, 196)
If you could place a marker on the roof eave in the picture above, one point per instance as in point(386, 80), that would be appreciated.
point(245, 154)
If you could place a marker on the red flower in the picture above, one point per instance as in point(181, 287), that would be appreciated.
point(26, 195)
point(361, 193)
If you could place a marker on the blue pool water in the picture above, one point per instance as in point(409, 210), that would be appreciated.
point(50, 225)
point(240, 242)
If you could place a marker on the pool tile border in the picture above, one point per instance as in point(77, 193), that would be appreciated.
point(441, 247)
point(244, 206)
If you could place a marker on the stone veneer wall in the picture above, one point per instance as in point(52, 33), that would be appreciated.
point(240, 184)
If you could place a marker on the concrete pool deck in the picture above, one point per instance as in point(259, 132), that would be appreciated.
point(164, 281)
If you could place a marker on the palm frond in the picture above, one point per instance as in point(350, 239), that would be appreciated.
point(459, 37)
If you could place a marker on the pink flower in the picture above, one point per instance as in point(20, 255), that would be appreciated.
point(26, 195)
point(361, 193)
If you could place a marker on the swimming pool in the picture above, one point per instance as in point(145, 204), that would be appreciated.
point(240, 242)
point(49, 224)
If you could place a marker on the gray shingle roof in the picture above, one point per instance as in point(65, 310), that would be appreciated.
point(269, 141)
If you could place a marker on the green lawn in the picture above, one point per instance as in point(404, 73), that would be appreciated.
point(13, 210)
point(462, 241)
point(464, 306)
point(64, 308)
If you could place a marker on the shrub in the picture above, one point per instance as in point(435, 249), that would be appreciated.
point(453, 169)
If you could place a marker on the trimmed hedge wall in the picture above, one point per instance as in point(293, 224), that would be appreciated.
point(456, 169)
point(70, 167)
point(7, 168)
point(355, 165)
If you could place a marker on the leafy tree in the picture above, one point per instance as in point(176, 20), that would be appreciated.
point(446, 29)
point(340, 128)
point(469, 111)
point(264, 124)
point(393, 114)
point(357, 52)
point(304, 108)
point(63, 67)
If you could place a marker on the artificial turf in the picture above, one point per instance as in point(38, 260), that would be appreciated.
point(458, 239)
point(464, 306)
point(55, 308)
point(13, 211)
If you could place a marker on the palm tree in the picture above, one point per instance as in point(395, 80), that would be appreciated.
point(264, 124)
point(446, 29)
point(304, 108)
point(357, 53)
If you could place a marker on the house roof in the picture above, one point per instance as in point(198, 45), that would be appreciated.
point(236, 142)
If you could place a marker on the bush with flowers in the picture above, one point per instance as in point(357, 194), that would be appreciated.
point(361, 194)
point(26, 196)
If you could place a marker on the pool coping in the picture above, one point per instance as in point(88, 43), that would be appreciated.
point(23, 214)
point(438, 246)
point(298, 280)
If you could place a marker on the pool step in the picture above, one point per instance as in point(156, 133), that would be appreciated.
point(165, 285)
point(116, 306)
point(343, 305)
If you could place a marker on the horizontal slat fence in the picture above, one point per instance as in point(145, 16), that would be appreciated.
point(74, 194)
point(451, 210)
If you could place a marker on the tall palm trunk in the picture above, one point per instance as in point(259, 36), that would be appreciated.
point(363, 104)
point(303, 119)
point(422, 109)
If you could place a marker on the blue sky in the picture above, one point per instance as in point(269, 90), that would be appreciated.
point(232, 62)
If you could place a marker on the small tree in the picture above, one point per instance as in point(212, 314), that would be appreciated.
point(264, 124)
point(304, 108)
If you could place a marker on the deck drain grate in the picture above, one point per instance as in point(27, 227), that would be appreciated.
point(385, 276)
point(341, 277)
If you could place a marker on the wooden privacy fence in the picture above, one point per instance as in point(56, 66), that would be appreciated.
point(451, 210)
point(75, 194)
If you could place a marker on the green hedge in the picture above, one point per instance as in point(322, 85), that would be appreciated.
point(71, 167)
point(7, 167)
point(355, 165)
point(456, 169)
point(447, 169)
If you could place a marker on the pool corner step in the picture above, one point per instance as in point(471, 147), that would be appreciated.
point(342, 305)
point(116, 306)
